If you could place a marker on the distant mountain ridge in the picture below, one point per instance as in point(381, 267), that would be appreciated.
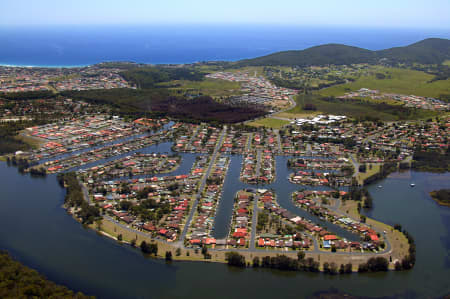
point(428, 51)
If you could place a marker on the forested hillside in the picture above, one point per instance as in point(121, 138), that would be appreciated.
point(428, 51)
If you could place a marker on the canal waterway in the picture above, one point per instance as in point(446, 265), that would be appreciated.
point(283, 190)
point(38, 232)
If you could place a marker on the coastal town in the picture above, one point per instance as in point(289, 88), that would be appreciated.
point(244, 149)
point(222, 188)
point(23, 79)
point(167, 180)
point(51, 109)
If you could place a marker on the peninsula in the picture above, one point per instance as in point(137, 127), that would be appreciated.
point(261, 163)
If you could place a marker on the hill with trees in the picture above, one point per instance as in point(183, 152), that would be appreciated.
point(428, 51)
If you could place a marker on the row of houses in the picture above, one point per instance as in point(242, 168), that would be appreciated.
point(133, 165)
point(234, 142)
point(241, 221)
point(330, 179)
point(273, 240)
point(77, 134)
point(202, 139)
point(311, 202)
point(255, 90)
point(104, 152)
point(163, 203)
point(202, 225)
point(414, 101)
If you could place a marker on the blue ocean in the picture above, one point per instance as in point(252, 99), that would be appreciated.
point(85, 45)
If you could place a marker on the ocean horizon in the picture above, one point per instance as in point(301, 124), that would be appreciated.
point(78, 46)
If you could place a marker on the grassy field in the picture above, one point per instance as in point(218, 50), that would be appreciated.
point(362, 109)
point(211, 87)
point(299, 114)
point(400, 81)
point(398, 241)
point(370, 171)
point(447, 62)
point(34, 143)
point(301, 99)
point(250, 69)
point(208, 68)
point(272, 123)
point(113, 230)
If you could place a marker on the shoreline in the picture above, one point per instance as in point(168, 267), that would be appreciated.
point(439, 202)
point(219, 255)
point(47, 66)
point(109, 227)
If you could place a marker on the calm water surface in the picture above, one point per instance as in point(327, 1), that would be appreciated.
point(38, 232)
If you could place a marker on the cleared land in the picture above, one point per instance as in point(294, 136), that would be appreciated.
point(33, 142)
point(211, 87)
point(375, 168)
point(248, 69)
point(294, 115)
point(273, 123)
point(402, 81)
point(360, 108)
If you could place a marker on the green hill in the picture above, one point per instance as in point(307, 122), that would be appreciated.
point(428, 51)
point(319, 55)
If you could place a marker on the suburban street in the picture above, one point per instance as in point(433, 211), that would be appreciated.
point(277, 132)
point(258, 163)
point(355, 166)
point(201, 187)
point(254, 222)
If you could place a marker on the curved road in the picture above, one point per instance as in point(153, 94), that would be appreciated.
point(252, 248)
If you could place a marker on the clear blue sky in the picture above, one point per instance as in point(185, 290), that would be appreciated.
point(366, 13)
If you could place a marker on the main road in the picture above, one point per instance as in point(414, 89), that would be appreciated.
point(201, 187)
point(252, 248)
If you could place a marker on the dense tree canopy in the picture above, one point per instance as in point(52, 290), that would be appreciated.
point(149, 77)
point(18, 281)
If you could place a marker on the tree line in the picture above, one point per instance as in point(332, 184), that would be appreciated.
point(442, 195)
point(409, 260)
point(8, 132)
point(431, 160)
point(19, 281)
point(75, 198)
point(158, 102)
point(385, 169)
point(283, 262)
point(149, 77)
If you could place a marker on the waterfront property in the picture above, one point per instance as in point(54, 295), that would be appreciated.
point(153, 194)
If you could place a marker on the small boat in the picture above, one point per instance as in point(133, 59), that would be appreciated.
point(412, 185)
point(379, 186)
